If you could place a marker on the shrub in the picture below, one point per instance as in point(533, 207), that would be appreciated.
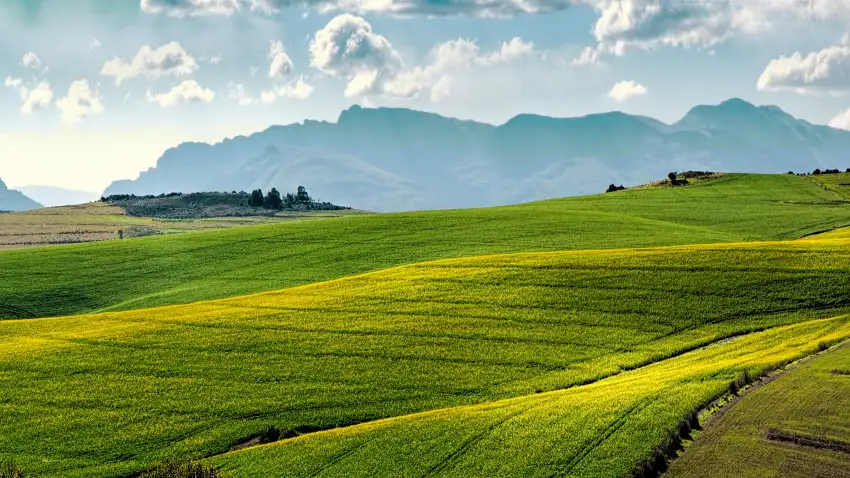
point(182, 469)
point(11, 470)
point(672, 177)
point(612, 188)
point(270, 435)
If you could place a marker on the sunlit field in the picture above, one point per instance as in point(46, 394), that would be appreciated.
point(173, 269)
point(111, 394)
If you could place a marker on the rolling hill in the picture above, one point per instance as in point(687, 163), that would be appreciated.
point(621, 345)
point(388, 159)
point(145, 272)
point(12, 200)
point(52, 196)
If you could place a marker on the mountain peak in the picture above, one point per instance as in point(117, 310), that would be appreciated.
point(3, 185)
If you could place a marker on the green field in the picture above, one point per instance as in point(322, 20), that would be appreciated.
point(153, 271)
point(110, 394)
point(838, 183)
point(557, 338)
point(100, 221)
point(795, 426)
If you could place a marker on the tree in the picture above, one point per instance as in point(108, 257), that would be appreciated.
point(256, 199)
point(672, 177)
point(301, 196)
point(816, 171)
point(848, 170)
point(289, 200)
point(273, 200)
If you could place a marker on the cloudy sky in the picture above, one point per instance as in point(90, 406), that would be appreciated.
point(96, 90)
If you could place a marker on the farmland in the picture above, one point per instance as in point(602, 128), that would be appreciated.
point(100, 221)
point(838, 183)
point(621, 344)
point(173, 269)
point(795, 426)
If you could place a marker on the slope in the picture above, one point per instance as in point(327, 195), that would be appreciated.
point(197, 266)
point(795, 426)
point(601, 430)
point(12, 200)
point(135, 387)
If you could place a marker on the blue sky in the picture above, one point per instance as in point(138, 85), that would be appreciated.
point(96, 90)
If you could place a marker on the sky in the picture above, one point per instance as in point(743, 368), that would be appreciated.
point(96, 90)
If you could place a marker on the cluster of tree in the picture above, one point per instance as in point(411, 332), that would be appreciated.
point(612, 188)
point(274, 200)
point(818, 171)
point(127, 197)
point(674, 181)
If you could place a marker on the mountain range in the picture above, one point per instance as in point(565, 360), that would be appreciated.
point(51, 196)
point(12, 200)
point(392, 159)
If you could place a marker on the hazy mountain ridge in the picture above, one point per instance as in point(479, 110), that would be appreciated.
point(51, 196)
point(12, 200)
point(387, 159)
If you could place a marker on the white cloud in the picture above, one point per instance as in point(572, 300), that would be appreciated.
point(587, 56)
point(298, 89)
point(236, 91)
point(187, 92)
point(169, 59)
point(94, 43)
point(37, 98)
point(624, 90)
point(80, 102)
point(348, 48)
point(824, 71)
point(182, 8)
point(214, 60)
point(13, 82)
point(31, 60)
point(442, 89)
point(842, 121)
point(281, 64)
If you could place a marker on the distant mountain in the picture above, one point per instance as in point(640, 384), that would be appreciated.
point(11, 200)
point(52, 196)
point(390, 159)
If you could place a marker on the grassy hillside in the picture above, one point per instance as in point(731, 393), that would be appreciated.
point(100, 221)
point(839, 183)
point(154, 271)
point(796, 426)
point(108, 394)
point(598, 430)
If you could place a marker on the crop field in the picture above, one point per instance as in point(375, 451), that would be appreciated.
point(599, 430)
point(621, 345)
point(101, 222)
point(173, 269)
point(839, 183)
point(795, 426)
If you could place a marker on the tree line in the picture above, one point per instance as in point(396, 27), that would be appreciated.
point(274, 200)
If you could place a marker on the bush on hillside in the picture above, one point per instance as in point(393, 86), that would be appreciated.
point(182, 469)
point(256, 199)
point(273, 200)
point(612, 188)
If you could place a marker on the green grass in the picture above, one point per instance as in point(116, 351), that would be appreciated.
point(114, 393)
point(153, 271)
point(812, 401)
point(599, 430)
point(839, 183)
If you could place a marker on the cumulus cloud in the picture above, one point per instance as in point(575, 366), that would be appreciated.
point(624, 90)
point(79, 103)
point(281, 64)
point(298, 89)
point(348, 48)
point(36, 98)
point(187, 92)
point(31, 60)
point(824, 71)
point(236, 91)
point(442, 89)
point(842, 121)
point(587, 56)
point(169, 59)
